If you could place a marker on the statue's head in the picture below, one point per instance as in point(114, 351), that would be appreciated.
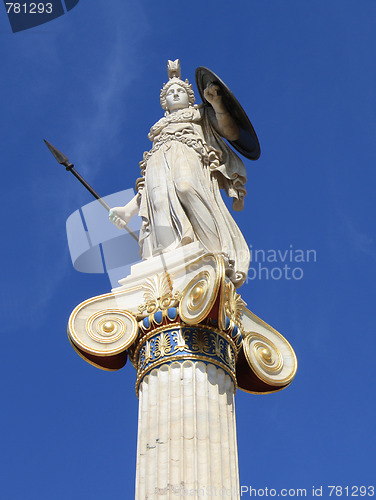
point(176, 93)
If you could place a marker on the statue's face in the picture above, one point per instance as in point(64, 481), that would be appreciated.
point(176, 98)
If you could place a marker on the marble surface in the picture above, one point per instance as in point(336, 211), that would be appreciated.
point(186, 433)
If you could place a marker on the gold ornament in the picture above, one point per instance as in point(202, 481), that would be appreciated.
point(158, 294)
point(106, 332)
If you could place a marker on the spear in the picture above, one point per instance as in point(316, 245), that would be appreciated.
point(63, 160)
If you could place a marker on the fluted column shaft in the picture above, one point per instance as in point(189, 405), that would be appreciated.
point(187, 433)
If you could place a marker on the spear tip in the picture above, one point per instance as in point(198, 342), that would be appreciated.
point(60, 157)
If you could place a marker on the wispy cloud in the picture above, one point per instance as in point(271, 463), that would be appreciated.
point(44, 262)
point(108, 92)
point(360, 241)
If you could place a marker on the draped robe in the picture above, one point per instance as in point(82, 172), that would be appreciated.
point(180, 191)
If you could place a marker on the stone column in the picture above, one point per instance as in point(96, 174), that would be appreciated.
point(193, 342)
point(186, 427)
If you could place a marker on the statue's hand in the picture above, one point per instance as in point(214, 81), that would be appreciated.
point(225, 124)
point(211, 94)
point(120, 216)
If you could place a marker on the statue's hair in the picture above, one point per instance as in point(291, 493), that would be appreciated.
point(186, 86)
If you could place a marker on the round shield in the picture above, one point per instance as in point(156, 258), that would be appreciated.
point(247, 144)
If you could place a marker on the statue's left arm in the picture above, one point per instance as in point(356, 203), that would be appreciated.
point(224, 124)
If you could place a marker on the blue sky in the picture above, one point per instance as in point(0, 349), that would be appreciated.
point(89, 83)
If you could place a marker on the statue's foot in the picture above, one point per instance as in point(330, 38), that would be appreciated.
point(229, 266)
point(239, 279)
point(236, 277)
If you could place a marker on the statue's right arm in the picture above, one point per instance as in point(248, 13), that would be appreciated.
point(121, 216)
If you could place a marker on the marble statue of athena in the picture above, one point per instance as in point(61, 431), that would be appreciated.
point(177, 316)
point(178, 194)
